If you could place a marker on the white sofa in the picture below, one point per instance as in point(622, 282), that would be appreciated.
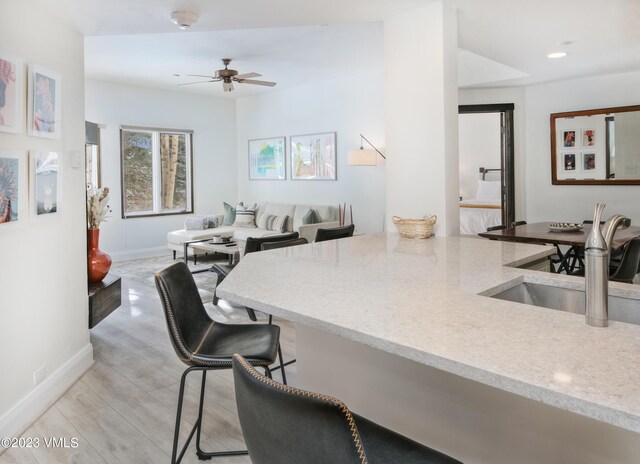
point(328, 217)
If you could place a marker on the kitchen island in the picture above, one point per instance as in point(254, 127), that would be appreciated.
point(404, 331)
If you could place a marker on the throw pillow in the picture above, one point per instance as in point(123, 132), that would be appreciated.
point(212, 222)
point(229, 214)
point(280, 223)
point(310, 218)
point(195, 223)
point(245, 216)
point(271, 222)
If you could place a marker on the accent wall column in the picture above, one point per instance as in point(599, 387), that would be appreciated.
point(421, 115)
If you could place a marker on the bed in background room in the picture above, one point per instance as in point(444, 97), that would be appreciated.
point(485, 210)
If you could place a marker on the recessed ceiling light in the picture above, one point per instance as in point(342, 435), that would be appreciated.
point(184, 19)
point(557, 55)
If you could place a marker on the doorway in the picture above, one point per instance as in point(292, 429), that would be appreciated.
point(501, 176)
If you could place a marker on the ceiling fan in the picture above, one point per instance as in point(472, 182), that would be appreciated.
point(229, 76)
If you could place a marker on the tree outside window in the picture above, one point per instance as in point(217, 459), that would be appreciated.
point(156, 172)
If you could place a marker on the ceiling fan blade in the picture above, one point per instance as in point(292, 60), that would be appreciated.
point(228, 86)
point(191, 83)
point(247, 75)
point(198, 75)
point(254, 82)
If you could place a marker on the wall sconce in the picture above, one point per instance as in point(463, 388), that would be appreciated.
point(364, 157)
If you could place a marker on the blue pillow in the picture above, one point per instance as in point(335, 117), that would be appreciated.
point(229, 214)
point(310, 217)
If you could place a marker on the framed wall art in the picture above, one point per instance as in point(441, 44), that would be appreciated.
point(44, 167)
point(44, 103)
point(588, 137)
point(12, 187)
point(313, 156)
point(568, 139)
point(11, 94)
point(267, 159)
point(569, 160)
point(589, 161)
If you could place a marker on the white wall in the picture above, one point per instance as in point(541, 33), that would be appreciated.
point(421, 115)
point(213, 121)
point(546, 202)
point(479, 146)
point(517, 97)
point(348, 106)
point(43, 276)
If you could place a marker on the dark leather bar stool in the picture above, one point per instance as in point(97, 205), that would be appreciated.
point(253, 244)
point(203, 344)
point(294, 426)
point(284, 244)
point(322, 235)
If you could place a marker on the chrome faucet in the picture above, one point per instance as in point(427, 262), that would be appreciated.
point(596, 254)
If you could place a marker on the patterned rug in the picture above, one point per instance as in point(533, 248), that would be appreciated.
point(143, 271)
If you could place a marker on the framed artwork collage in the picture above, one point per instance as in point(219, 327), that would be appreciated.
point(578, 151)
point(311, 157)
point(43, 119)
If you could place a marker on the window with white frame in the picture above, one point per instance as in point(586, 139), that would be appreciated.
point(156, 171)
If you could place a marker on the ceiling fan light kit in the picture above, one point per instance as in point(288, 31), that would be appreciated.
point(229, 76)
point(184, 19)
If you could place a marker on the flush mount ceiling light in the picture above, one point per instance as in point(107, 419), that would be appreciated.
point(184, 19)
point(557, 55)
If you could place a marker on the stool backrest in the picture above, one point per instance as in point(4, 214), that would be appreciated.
point(284, 244)
point(292, 426)
point(255, 244)
point(186, 317)
point(334, 233)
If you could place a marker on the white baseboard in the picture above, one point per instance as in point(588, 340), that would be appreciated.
point(140, 253)
point(21, 416)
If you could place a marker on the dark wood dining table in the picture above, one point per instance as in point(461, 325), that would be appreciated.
point(539, 232)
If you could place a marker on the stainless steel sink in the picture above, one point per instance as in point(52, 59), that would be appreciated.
point(569, 300)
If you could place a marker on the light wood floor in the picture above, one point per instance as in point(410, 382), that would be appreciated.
point(123, 409)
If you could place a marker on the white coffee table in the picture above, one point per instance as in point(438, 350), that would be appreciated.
point(232, 249)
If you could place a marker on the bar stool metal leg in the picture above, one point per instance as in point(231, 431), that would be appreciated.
point(202, 455)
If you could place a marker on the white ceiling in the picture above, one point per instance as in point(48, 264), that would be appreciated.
point(504, 42)
point(290, 56)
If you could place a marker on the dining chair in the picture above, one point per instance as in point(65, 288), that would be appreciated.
point(489, 229)
point(322, 235)
point(629, 263)
point(518, 223)
point(294, 426)
point(252, 245)
point(204, 345)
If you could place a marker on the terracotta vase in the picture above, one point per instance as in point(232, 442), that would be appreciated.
point(98, 262)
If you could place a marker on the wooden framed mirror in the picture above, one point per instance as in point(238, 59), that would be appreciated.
point(596, 147)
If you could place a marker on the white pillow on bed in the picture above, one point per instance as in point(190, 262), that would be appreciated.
point(489, 189)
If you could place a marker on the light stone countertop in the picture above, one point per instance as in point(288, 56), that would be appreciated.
point(424, 300)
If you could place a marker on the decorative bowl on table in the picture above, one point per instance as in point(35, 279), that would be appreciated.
point(221, 239)
point(565, 227)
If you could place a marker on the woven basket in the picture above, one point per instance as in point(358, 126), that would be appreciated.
point(415, 228)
